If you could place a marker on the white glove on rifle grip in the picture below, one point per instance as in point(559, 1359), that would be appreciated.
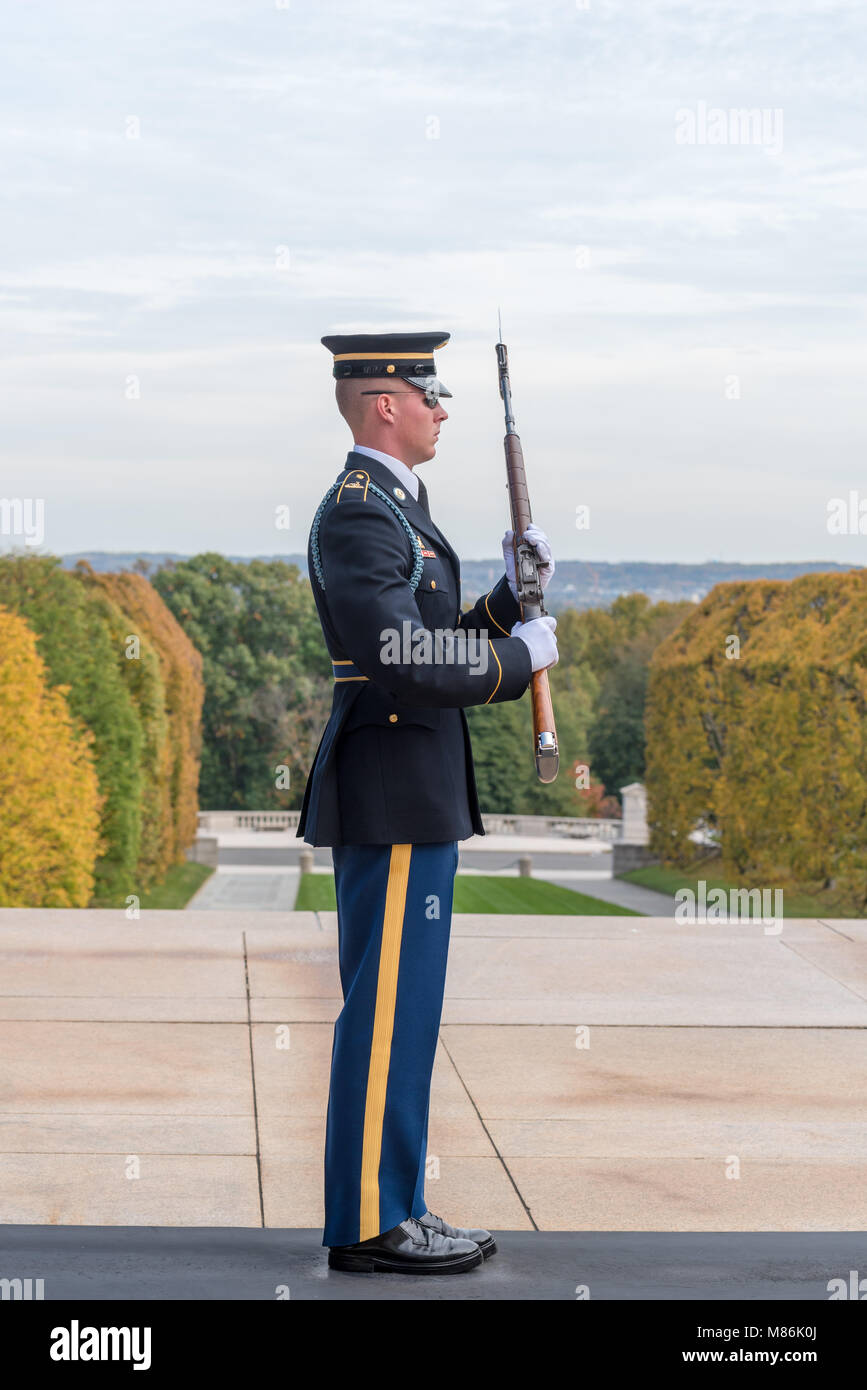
point(542, 546)
point(538, 636)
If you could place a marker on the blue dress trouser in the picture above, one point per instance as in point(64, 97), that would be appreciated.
point(394, 908)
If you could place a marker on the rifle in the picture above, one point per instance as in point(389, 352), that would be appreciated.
point(528, 584)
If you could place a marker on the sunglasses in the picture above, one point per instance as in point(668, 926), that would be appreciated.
point(431, 394)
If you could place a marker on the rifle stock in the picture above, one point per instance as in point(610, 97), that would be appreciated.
point(545, 749)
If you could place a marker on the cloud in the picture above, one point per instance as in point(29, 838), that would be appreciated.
point(315, 168)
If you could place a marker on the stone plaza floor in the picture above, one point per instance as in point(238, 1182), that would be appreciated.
point(612, 1074)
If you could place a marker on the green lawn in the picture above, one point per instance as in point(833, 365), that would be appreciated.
point(483, 893)
point(797, 902)
point(181, 882)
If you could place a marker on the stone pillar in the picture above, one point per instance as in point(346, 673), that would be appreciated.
point(632, 850)
point(634, 830)
point(204, 850)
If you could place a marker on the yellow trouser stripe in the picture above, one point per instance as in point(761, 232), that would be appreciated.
point(383, 1028)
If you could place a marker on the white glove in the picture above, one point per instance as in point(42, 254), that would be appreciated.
point(542, 546)
point(539, 637)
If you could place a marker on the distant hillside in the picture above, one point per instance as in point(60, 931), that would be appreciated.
point(576, 584)
point(580, 584)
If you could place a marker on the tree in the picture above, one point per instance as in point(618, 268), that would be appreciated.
point(267, 674)
point(75, 643)
point(49, 790)
point(502, 741)
point(617, 739)
point(164, 670)
point(757, 727)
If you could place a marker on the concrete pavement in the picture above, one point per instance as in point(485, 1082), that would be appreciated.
point(594, 1074)
point(248, 887)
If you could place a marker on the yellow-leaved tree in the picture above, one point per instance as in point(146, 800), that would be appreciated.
point(757, 731)
point(49, 794)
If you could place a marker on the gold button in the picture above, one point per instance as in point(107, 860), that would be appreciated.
point(392, 719)
point(433, 583)
point(390, 368)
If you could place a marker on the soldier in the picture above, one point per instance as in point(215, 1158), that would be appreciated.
point(392, 790)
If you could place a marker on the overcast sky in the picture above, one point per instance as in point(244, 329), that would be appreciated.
point(194, 193)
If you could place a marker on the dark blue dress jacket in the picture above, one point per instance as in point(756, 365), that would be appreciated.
point(394, 765)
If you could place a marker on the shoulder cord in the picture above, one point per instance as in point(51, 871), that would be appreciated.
point(418, 565)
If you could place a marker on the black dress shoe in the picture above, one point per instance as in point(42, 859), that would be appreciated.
point(483, 1239)
point(409, 1248)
